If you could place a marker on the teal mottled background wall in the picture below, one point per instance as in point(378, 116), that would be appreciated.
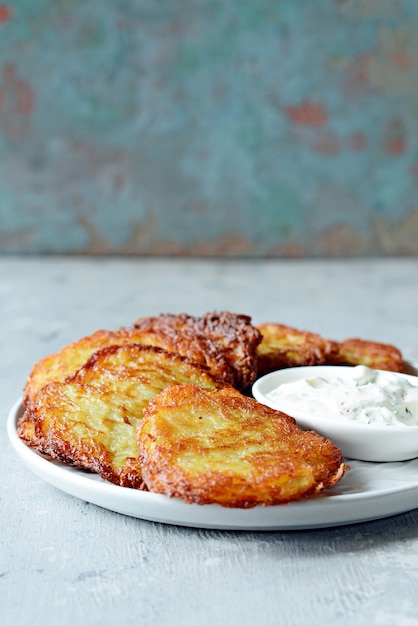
point(202, 127)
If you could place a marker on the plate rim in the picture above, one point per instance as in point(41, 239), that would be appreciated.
point(308, 514)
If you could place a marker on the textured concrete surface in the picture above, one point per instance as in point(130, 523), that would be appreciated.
point(207, 128)
point(65, 562)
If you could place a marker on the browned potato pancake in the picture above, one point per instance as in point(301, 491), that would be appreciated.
point(57, 366)
point(380, 356)
point(196, 348)
point(237, 338)
point(231, 335)
point(284, 346)
point(90, 419)
point(223, 447)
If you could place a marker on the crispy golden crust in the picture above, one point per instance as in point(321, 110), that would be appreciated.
point(223, 447)
point(196, 348)
point(376, 355)
point(284, 346)
point(231, 336)
point(90, 419)
point(58, 366)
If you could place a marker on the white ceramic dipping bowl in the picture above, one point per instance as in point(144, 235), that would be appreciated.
point(364, 442)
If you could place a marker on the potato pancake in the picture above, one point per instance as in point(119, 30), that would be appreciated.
point(380, 356)
point(196, 348)
point(231, 335)
point(90, 419)
point(57, 366)
point(223, 447)
point(284, 346)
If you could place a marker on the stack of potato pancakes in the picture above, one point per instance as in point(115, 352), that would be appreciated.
point(164, 406)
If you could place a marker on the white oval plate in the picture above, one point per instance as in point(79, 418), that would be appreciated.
point(368, 491)
point(364, 442)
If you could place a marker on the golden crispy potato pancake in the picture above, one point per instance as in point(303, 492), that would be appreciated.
point(231, 335)
point(380, 356)
point(90, 419)
point(57, 366)
point(223, 447)
point(284, 346)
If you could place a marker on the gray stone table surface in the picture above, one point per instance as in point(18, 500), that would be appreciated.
point(63, 561)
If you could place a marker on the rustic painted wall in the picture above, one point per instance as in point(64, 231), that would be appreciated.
point(206, 127)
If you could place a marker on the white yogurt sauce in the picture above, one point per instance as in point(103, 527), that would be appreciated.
point(368, 396)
